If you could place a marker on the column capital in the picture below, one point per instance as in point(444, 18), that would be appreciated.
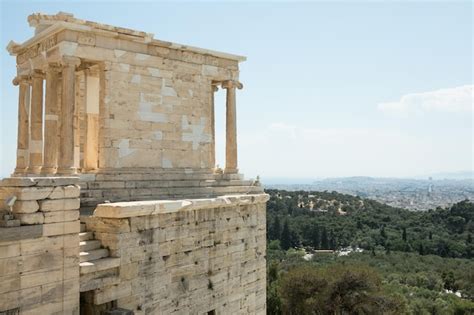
point(37, 74)
point(229, 84)
point(53, 66)
point(21, 79)
point(69, 61)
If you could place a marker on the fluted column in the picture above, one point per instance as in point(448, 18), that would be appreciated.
point(231, 126)
point(66, 139)
point(36, 123)
point(51, 116)
point(212, 159)
point(22, 152)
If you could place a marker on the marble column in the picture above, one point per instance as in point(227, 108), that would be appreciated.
point(51, 116)
point(36, 123)
point(22, 151)
point(231, 127)
point(66, 139)
point(91, 145)
point(212, 159)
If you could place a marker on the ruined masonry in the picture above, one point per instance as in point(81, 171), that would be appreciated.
point(116, 205)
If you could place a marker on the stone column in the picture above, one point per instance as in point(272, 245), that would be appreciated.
point(66, 136)
point(91, 146)
point(24, 83)
point(51, 116)
point(212, 159)
point(36, 123)
point(231, 127)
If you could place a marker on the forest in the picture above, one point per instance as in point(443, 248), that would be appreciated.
point(330, 253)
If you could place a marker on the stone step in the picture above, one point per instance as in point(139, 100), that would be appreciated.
point(99, 265)
point(93, 254)
point(85, 236)
point(95, 283)
point(85, 246)
point(83, 227)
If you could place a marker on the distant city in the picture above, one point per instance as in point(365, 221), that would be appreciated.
point(412, 194)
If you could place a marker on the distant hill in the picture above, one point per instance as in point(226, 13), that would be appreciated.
point(409, 193)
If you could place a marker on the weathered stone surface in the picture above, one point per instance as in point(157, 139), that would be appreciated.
point(107, 225)
point(144, 208)
point(99, 265)
point(61, 228)
point(60, 216)
point(61, 192)
point(37, 181)
point(59, 204)
point(25, 193)
point(17, 181)
point(29, 206)
point(200, 248)
point(20, 233)
point(31, 218)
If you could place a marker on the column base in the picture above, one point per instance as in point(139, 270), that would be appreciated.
point(48, 170)
point(33, 170)
point(66, 171)
point(231, 171)
point(20, 171)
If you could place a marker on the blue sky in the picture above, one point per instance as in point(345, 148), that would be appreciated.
point(330, 89)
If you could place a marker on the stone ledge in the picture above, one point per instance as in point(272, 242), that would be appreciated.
point(21, 233)
point(38, 181)
point(144, 208)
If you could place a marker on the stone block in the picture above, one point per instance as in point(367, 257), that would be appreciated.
point(9, 300)
point(29, 206)
point(10, 250)
point(56, 181)
point(61, 228)
point(59, 204)
point(25, 193)
point(107, 225)
point(9, 283)
point(36, 278)
point(99, 265)
point(9, 266)
point(61, 192)
point(17, 182)
point(61, 216)
point(30, 296)
point(20, 233)
point(113, 292)
point(30, 218)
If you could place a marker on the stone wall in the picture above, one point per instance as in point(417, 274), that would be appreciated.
point(39, 260)
point(185, 257)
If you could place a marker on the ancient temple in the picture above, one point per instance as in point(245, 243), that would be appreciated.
point(116, 203)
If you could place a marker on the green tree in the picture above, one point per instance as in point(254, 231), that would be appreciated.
point(285, 239)
point(324, 239)
point(274, 230)
point(337, 289)
point(421, 249)
point(302, 291)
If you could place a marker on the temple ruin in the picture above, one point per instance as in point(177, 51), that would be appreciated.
point(116, 205)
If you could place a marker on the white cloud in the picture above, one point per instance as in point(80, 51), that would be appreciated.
point(457, 99)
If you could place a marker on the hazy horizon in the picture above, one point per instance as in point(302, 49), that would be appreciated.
point(330, 89)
